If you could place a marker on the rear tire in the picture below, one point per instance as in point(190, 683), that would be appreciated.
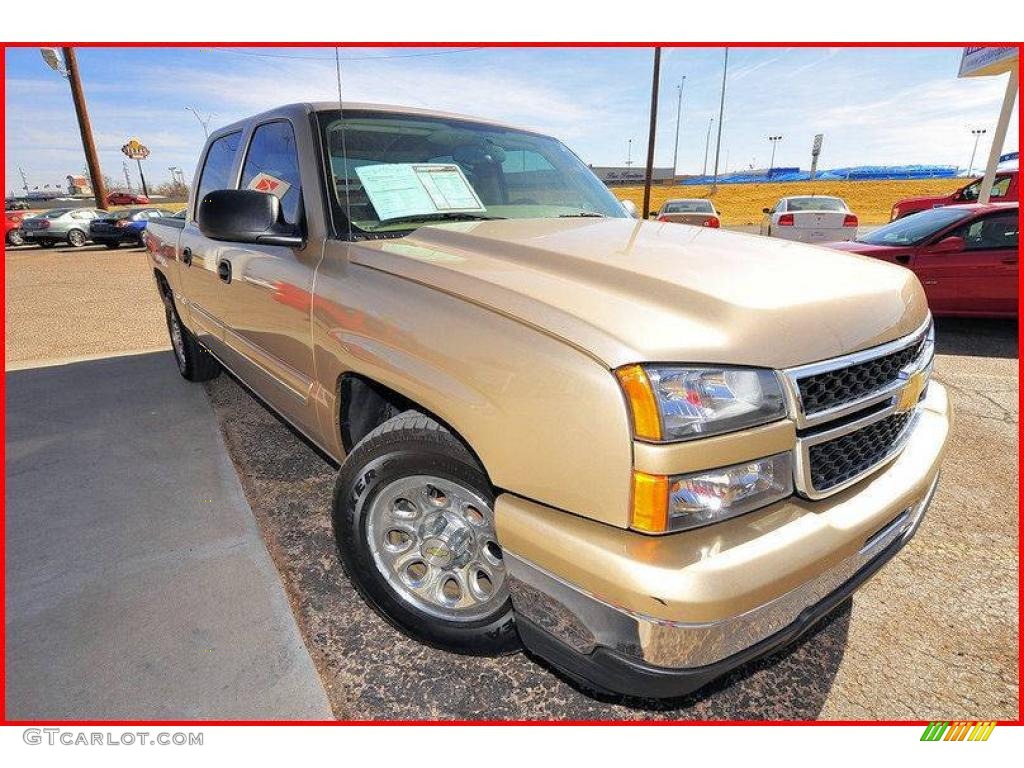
point(194, 362)
point(414, 526)
point(14, 238)
point(45, 243)
point(112, 245)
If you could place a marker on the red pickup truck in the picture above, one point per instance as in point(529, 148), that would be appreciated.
point(1004, 190)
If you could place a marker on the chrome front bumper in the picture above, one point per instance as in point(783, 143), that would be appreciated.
point(584, 623)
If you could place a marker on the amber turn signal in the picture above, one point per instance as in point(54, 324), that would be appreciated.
point(650, 503)
point(637, 387)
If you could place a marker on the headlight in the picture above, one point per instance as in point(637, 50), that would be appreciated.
point(662, 504)
point(681, 403)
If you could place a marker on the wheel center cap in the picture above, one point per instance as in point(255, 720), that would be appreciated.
point(437, 552)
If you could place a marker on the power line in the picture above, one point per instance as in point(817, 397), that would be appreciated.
point(346, 58)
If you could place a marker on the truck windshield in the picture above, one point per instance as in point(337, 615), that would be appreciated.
point(396, 172)
point(915, 228)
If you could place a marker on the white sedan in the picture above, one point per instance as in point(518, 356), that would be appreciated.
point(810, 219)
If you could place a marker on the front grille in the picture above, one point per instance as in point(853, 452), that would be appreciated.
point(835, 461)
point(831, 389)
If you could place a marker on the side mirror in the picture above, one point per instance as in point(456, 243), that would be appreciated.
point(630, 208)
point(951, 244)
point(245, 216)
point(766, 210)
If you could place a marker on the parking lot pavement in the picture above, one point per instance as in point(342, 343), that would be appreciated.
point(138, 586)
point(78, 302)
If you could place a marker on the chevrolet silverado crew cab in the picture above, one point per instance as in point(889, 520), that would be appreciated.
point(646, 451)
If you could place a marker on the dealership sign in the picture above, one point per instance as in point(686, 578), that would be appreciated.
point(987, 60)
point(135, 150)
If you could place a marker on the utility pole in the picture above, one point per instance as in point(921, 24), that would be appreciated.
point(127, 178)
point(649, 176)
point(721, 115)
point(85, 128)
point(978, 132)
point(707, 143)
point(24, 179)
point(679, 109)
point(774, 140)
point(629, 153)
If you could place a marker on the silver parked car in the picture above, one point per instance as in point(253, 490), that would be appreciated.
point(67, 225)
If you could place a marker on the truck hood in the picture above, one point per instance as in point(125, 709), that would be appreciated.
point(633, 291)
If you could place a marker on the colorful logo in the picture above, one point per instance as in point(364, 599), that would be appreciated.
point(958, 731)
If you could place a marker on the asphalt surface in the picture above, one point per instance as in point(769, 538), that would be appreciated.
point(933, 636)
point(138, 586)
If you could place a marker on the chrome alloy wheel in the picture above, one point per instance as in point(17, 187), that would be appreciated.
point(177, 338)
point(433, 540)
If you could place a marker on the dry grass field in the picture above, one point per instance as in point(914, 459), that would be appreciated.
point(741, 204)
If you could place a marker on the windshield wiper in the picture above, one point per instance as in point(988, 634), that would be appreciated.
point(582, 215)
point(441, 216)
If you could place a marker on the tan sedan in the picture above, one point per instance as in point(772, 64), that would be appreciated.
point(700, 213)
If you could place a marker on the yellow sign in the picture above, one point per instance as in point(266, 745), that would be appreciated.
point(135, 149)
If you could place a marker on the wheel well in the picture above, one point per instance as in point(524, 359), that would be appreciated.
point(366, 404)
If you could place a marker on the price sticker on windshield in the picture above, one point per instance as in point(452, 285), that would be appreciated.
point(406, 190)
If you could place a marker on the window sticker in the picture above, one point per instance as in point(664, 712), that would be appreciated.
point(398, 190)
point(264, 182)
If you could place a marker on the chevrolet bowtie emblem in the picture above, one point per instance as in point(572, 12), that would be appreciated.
point(911, 392)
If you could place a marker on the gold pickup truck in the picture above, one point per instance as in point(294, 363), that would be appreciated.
point(645, 451)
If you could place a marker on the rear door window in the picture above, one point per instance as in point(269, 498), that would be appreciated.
point(220, 159)
point(272, 166)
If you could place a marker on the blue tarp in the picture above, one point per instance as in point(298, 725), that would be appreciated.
point(853, 173)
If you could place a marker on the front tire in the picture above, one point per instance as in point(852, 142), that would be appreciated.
point(112, 244)
point(76, 238)
point(45, 243)
point(414, 523)
point(194, 362)
point(14, 238)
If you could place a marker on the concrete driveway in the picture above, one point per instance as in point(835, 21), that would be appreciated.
point(138, 586)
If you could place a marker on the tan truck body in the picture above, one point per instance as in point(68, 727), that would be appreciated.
point(508, 332)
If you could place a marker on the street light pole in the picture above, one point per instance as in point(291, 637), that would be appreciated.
point(85, 128)
point(721, 114)
point(774, 140)
point(977, 135)
point(679, 109)
point(205, 123)
point(707, 143)
point(629, 153)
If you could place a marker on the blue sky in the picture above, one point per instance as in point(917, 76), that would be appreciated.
point(874, 105)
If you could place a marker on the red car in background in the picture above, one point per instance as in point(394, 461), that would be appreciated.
point(964, 255)
point(12, 228)
point(1005, 189)
point(126, 198)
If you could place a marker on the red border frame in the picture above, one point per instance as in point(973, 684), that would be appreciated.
point(457, 44)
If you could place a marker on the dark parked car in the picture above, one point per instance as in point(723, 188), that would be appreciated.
point(15, 205)
point(117, 227)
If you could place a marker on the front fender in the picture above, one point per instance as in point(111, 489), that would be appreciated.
point(547, 421)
